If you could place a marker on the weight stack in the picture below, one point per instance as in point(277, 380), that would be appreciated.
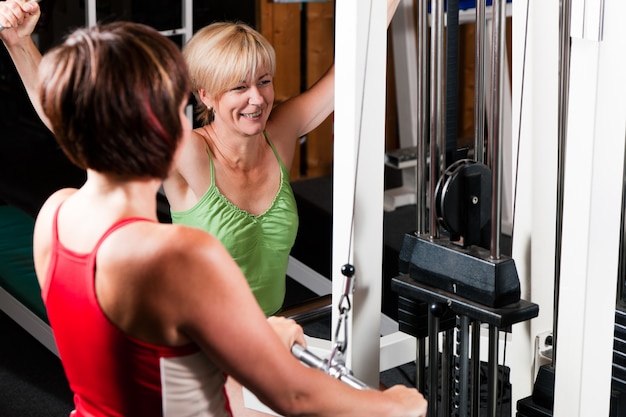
point(413, 318)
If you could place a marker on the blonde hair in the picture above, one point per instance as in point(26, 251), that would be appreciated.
point(221, 55)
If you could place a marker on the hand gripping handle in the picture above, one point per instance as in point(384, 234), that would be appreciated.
point(335, 370)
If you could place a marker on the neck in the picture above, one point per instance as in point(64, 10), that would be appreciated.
point(131, 197)
point(234, 151)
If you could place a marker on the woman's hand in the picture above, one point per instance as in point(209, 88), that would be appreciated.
point(409, 401)
point(288, 330)
point(18, 18)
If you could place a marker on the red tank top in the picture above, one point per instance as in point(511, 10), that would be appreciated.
point(110, 372)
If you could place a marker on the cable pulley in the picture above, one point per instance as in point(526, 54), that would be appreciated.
point(463, 201)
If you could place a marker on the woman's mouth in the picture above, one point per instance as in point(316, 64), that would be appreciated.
point(252, 115)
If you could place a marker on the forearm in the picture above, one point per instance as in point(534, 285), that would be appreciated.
point(26, 58)
point(312, 393)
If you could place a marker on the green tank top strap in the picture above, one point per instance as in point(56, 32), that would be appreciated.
point(208, 151)
point(269, 142)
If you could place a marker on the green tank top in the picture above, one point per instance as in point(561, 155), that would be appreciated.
point(259, 244)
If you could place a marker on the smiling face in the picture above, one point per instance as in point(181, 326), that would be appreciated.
point(230, 59)
point(245, 108)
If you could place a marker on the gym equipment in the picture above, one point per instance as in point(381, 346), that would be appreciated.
point(335, 365)
point(455, 269)
point(333, 368)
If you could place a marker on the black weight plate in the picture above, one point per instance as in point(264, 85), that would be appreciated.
point(454, 197)
point(441, 184)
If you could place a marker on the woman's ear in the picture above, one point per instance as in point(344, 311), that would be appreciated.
point(205, 98)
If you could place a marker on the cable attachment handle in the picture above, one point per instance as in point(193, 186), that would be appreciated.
point(338, 371)
point(341, 332)
point(348, 287)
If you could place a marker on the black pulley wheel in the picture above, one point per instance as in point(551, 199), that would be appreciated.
point(463, 195)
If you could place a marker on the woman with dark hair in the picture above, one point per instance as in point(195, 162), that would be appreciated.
point(143, 312)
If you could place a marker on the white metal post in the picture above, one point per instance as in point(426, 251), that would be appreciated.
point(594, 172)
point(360, 65)
point(535, 134)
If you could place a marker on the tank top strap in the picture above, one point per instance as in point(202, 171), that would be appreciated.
point(115, 226)
point(269, 142)
point(118, 225)
point(208, 151)
point(267, 139)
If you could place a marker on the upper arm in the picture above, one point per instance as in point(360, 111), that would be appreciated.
point(301, 114)
point(191, 177)
point(42, 234)
point(219, 312)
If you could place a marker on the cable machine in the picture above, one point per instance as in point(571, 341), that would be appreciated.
point(454, 277)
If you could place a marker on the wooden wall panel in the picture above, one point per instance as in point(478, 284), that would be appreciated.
point(467, 53)
point(320, 41)
point(280, 24)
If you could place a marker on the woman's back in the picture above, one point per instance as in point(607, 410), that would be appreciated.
point(111, 372)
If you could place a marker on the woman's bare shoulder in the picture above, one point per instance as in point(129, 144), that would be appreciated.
point(183, 246)
point(46, 213)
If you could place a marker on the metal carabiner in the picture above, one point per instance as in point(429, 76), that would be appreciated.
point(341, 332)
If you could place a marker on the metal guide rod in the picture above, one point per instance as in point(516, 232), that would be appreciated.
point(492, 379)
point(437, 105)
point(422, 112)
point(433, 363)
point(421, 165)
point(479, 83)
point(497, 69)
point(475, 385)
point(420, 361)
point(564, 70)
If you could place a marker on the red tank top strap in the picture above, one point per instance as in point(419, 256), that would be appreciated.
point(118, 224)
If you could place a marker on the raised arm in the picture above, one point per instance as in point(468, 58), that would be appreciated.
point(19, 19)
point(301, 114)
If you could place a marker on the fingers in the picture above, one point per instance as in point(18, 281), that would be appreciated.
point(410, 400)
point(13, 12)
point(288, 330)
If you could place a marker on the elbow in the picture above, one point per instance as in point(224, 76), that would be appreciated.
point(291, 405)
point(295, 399)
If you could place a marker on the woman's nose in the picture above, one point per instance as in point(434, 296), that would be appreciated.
point(255, 97)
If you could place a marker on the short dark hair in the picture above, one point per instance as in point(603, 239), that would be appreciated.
point(113, 94)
